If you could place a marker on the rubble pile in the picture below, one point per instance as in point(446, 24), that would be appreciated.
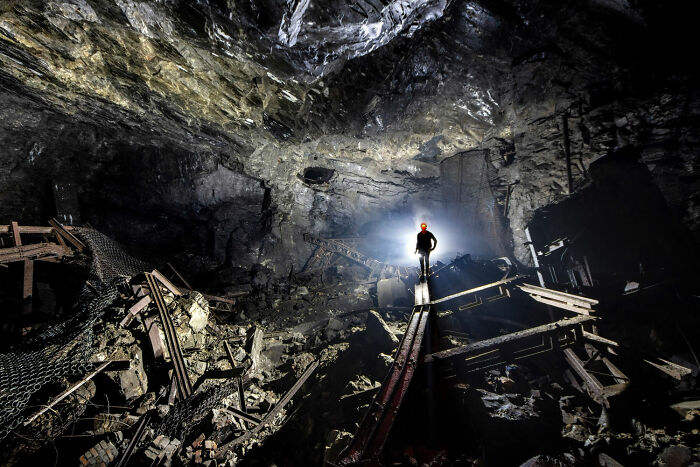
point(175, 376)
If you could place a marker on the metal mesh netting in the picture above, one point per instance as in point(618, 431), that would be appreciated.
point(189, 412)
point(64, 349)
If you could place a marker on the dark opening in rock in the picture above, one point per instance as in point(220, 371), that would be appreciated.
point(317, 175)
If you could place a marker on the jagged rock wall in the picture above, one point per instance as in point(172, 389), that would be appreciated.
point(194, 122)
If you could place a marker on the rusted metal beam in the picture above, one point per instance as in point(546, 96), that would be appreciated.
point(241, 394)
point(376, 425)
point(272, 414)
point(491, 344)
point(477, 289)
point(138, 434)
point(184, 384)
point(67, 393)
point(376, 444)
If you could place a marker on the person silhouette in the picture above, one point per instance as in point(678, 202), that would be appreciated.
point(424, 245)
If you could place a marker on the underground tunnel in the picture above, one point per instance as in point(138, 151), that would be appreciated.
point(211, 249)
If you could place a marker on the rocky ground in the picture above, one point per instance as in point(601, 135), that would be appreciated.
point(534, 409)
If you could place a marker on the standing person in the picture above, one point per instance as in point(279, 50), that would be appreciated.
point(424, 246)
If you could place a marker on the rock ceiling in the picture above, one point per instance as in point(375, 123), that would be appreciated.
point(380, 91)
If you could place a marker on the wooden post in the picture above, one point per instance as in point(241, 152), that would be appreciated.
point(28, 283)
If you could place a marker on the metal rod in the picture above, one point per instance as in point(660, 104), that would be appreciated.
point(67, 392)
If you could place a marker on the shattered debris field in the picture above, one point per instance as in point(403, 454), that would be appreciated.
point(127, 364)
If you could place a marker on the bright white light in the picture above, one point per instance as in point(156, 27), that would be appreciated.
point(394, 240)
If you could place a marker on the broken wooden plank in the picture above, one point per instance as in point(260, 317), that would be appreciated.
point(571, 299)
point(135, 309)
point(599, 339)
point(558, 304)
point(592, 385)
point(490, 344)
point(173, 390)
point(672, 369)
point(477, 289)
point(164, 280)
point(67, 393)
point(69, 237)
point(154, 337)
point(272, 414)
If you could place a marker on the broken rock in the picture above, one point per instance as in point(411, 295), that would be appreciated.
point(255, 346)
point(198, 310)
point(674, 456)
point(378, 333)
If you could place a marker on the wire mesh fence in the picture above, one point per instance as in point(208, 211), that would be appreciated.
point(64, 349)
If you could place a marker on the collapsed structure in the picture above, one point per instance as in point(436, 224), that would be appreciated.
point(141, 370)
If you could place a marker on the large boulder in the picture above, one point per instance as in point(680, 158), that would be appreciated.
point(378, 334)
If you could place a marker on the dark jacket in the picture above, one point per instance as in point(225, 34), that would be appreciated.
point(425, 241)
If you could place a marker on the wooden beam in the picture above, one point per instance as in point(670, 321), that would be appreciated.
point(31, 229)
point(490, 344)
point(28, 287)
point(599, 339)
point(593, 386)
point(562, 305)
point(477, 289)
point(245, 416)
point(28, 277)
point(561, 296)
point(164, 280)
point(14, 227)
point(69, 237)
point(154, 337)
point(33, 251)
